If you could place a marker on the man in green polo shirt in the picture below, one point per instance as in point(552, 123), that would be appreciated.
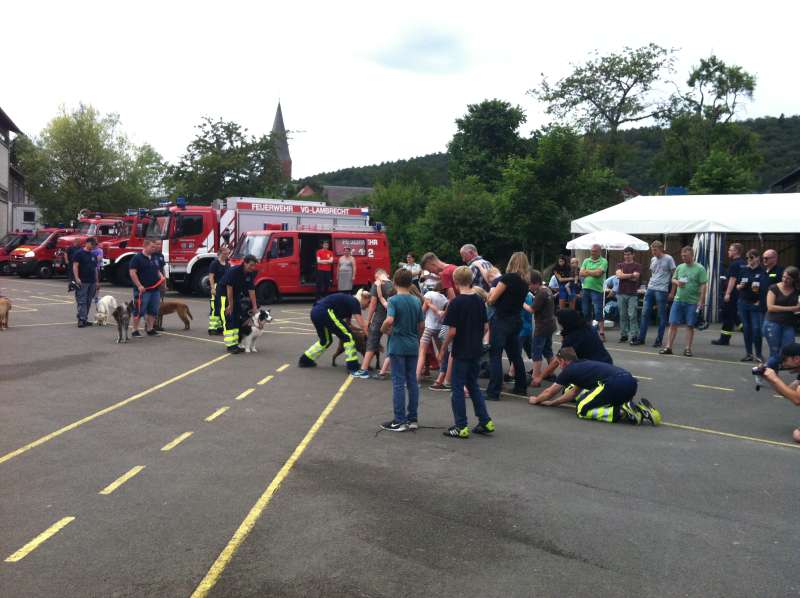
point(689, 291)
point(593, 271)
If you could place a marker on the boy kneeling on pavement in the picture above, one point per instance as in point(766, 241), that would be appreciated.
point(790, 361)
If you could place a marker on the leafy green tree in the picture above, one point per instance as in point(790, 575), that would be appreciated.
point(397, 205)
point(722, 173)
point(716, 89)
point(609, 91)
point(487, 136)
point(82, 160)
point(224, 161)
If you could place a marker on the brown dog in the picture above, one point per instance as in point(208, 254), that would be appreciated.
point(171, 307)
point(361, 346)
point(5, 307)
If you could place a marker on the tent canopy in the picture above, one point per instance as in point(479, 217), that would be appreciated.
point(608, 240)
point(676, 214)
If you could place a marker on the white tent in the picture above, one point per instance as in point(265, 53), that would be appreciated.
point(677, 214)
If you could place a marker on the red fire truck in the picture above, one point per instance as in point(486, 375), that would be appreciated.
point(8, 244)
point(118, 252)
point(103, 227)
point(38, 254)
point(191, 235)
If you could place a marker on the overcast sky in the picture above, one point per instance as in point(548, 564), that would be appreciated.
point(359, 82)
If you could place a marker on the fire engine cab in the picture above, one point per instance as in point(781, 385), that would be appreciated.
point(8, 244)
point(191, 235)
point(37, 254)
point(103, 227)
point(288, 258)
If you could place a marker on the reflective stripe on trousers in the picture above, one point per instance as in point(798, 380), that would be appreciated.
point(230, 335)
point(604, 413)
point(318, 348)
point(214, 319)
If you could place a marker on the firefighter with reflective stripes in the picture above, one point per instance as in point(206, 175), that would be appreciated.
point(730, 295)
point(331, 316)
point(218, 269)
point(603, 392)
point(232, 293)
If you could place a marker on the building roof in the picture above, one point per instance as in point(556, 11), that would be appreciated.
point(336, 195)
point(279, 136)
point(788, 178)
point(7, 123)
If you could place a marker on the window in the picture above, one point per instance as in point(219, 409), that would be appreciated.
point(358, 246)
point(283, 247)
point(190, 225)
point(251, 244)
point(28, 216)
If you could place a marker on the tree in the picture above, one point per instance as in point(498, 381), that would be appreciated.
point(487, 136)
point(609, 91)
point(722, 173)
point(397, 205)
point(224, 161)
point(716, 89)
point(82, 160)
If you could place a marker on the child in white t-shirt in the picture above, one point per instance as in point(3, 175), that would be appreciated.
point(433, 306)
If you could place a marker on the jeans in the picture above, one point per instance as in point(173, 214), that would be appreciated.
point(465, 373)
point(83, 297)
point(660, 299)
point(588, 299)
point(504, 335)
point(752, 320)
point(778, 336)
point(627, 305)
point(404, 375)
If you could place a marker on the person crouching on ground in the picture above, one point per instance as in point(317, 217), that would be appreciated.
point(790, 361)
point(331, 316)
point(86, 278)
point(232, 290)
point(603, 392)
point(404, 324)
point(467, 323)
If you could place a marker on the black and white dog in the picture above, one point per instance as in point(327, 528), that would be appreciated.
point(252, 328)
point(122, 315)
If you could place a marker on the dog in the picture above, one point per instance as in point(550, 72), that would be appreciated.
point(360, 337)
point(169, 307)
point(5, 307)
point(252, 328)
point(122, 315)
point(103, 310)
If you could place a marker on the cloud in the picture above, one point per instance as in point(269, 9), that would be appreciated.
point(424, 51)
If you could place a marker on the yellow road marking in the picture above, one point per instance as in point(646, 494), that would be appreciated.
point(216, 414)
point(41, 538)
point(265, 380)
point(713, 387)
point(121, 480)
point(192, 338)
point(729, 435)
point(252, 517)
point(555, 342)
point(307, 330)
point(244, 394)
point(171, 445)
point(283, 367)
point(48, 324)
point(109, 409)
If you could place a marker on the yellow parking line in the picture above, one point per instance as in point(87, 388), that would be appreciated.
point(38, 540)
point(713, 387)
point(192, 338)
point(48, 324)
point(216, 414)
point(121, 480)
point(283, 367)
point(244, 394)
point(109, 409)
point(729, 435)
point(171, 445)
point(265, 380)
point(255, 512)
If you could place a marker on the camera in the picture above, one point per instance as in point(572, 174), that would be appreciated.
point(758, 372)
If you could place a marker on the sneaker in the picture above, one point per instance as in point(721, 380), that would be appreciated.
point(394, 426)
point(413, 424)
point(746, 358)
point(484, 429)
point(665, 351)
point(136, 334)
point(306, 362)
point(439, 386)
point(649, 413)
point(455, 432)
point(153, 332)
point(635, 342)
point(363, 374)
point(623, 338)
point(657, 344)
point(235, 350)
point(631, 413)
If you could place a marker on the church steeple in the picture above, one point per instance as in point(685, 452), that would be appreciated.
point(281, 143)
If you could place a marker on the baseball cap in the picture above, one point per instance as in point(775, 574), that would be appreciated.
point(790, 350)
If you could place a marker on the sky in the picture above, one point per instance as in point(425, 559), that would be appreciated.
point(359, 82)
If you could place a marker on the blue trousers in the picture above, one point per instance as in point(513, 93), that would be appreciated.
point(660, 299)
point(778, 336)
point(504, 336)
point(83, 297)
point(404, 375)
point(752, 321)
point(465, 373)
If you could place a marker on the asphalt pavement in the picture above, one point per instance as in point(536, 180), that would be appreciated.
point(163, 467)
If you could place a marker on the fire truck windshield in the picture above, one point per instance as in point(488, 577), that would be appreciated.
point(86, 228)
point(39, 238)
point(158, 228)
point(9, 239)
point(251, 245)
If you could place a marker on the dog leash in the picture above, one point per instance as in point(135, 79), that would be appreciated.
point(147, 289)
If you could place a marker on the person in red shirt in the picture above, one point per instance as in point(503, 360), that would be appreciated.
point(324, 269)
point(432, 263)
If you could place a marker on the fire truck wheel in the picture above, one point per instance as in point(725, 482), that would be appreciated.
point(267, 293)
point(122, 275)
point(200, 284)
point(5, 269)
point(44, 270)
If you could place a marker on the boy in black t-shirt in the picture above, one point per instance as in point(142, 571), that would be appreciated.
point(466, 318)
